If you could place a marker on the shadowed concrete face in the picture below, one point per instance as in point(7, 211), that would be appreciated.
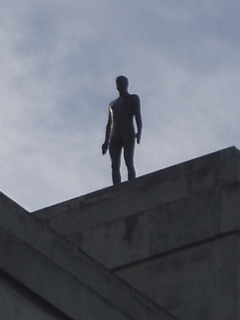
point(172, 234)
point(43, 276)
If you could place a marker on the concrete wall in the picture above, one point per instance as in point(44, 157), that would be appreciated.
point(161, 228)
point(198, 282)
point(18, 302)
point(174, 207)
point(70, 283)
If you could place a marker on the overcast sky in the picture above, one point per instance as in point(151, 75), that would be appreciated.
point(59, 61)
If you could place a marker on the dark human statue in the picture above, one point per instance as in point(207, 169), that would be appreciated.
point(120, 130)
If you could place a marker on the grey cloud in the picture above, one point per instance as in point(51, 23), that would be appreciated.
point(60, 63)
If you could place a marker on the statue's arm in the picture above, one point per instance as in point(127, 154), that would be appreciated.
point(107, 134)
point(138, 118)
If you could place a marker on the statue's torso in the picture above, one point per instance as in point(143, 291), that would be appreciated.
point(122, 112)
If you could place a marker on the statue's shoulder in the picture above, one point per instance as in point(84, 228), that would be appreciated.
point(135, 98)
point(112, 103)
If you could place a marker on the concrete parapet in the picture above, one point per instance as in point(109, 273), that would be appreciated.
point(172, 234)
point(153, 214)
point(196, 282)
point(62, 281)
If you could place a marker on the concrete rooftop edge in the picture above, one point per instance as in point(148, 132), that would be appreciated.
point(28, 247)
point(213, 159)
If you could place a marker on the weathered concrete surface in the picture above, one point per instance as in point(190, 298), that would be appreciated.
point(18, 302)
point(63, 282)
point(173, 234)
point(153, 214)
point(199, 282)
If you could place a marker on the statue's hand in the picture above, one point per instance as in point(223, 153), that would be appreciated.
point(104, 148)
point(138, 137)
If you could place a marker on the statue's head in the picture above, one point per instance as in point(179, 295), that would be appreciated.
point(122, 83)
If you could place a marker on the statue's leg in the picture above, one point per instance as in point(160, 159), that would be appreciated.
point(129, 146)
point(115, 150)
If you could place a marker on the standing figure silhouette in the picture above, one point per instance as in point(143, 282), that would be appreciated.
point(120, 130)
